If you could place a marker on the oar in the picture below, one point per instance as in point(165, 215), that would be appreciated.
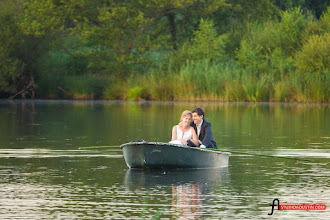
point(256, 154)
point(97, 147)
point(224, 150)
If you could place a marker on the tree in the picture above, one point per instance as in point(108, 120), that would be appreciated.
point(316, 6)
point(12, 76)
point(183, 14)
point(205, 44)
point(116, 32)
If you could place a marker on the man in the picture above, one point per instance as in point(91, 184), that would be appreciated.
point(203, 129)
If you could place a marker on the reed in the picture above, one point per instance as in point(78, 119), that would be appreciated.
point(257, 90)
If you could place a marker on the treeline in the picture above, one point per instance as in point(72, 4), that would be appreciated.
point(226, 50)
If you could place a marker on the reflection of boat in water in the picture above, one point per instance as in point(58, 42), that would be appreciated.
point(156, 155)
point(188, 187)
point(136, 179)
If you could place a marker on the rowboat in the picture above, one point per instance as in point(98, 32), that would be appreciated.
point(158, 155)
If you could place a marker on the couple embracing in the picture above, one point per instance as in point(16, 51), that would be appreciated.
point(196, 133)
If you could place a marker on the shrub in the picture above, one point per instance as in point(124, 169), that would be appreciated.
point(314, 55)
point(135, 93)
point(292, 25)
point(114, 90)
point(318, 27)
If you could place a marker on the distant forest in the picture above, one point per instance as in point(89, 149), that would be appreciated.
point(167, 50)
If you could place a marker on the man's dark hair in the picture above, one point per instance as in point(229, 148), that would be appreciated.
point(199, 111)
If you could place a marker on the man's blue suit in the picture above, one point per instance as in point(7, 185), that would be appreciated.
point(205, 135)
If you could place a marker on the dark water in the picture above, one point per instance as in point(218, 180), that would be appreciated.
point(43, 175)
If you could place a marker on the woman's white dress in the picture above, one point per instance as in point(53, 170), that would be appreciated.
point(180, 134)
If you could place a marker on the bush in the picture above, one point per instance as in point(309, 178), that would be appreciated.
point(114, 90)
point(292, 25)
point(318, 27)
point(135, 93)
point(314, 56)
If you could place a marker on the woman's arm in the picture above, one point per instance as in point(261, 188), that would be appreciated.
point(174, 133)
point(194, 137)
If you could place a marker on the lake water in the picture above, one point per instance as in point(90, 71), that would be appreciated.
point(43, 175)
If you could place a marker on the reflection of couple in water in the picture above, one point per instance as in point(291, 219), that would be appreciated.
point(196, 133)
point(187, 200)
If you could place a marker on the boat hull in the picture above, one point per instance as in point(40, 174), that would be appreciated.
point(155, 155)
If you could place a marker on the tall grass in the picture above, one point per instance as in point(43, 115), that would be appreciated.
point(315, 88)
point(85, 86)
point(72, 86)
point(196, 81)
point(284, 91)
point(216, 81)
point(257, 90)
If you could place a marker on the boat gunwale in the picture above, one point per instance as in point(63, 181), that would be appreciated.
point(174, 145)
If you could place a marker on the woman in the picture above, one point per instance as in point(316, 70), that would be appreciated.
point(183, 131)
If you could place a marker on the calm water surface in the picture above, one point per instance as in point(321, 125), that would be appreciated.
point(43, 175)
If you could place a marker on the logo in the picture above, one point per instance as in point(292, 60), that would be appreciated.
point(273, 205)
point(276, 203)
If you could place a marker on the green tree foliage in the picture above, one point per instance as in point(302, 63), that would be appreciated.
point(312, 66)
point(205, 44)
point(235, 19)
point(250, 50)
point(24, 41)
point(314, 56)
point(183, 16)
point(10, 41)
point(41, 17)
point(291, 27)
point(270, 46)
point(317, 7)
point(122, 33)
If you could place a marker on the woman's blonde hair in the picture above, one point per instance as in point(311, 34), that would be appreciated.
point(185, 113)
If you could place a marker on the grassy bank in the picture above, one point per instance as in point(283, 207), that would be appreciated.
point(202, 81)
point(209, 81)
